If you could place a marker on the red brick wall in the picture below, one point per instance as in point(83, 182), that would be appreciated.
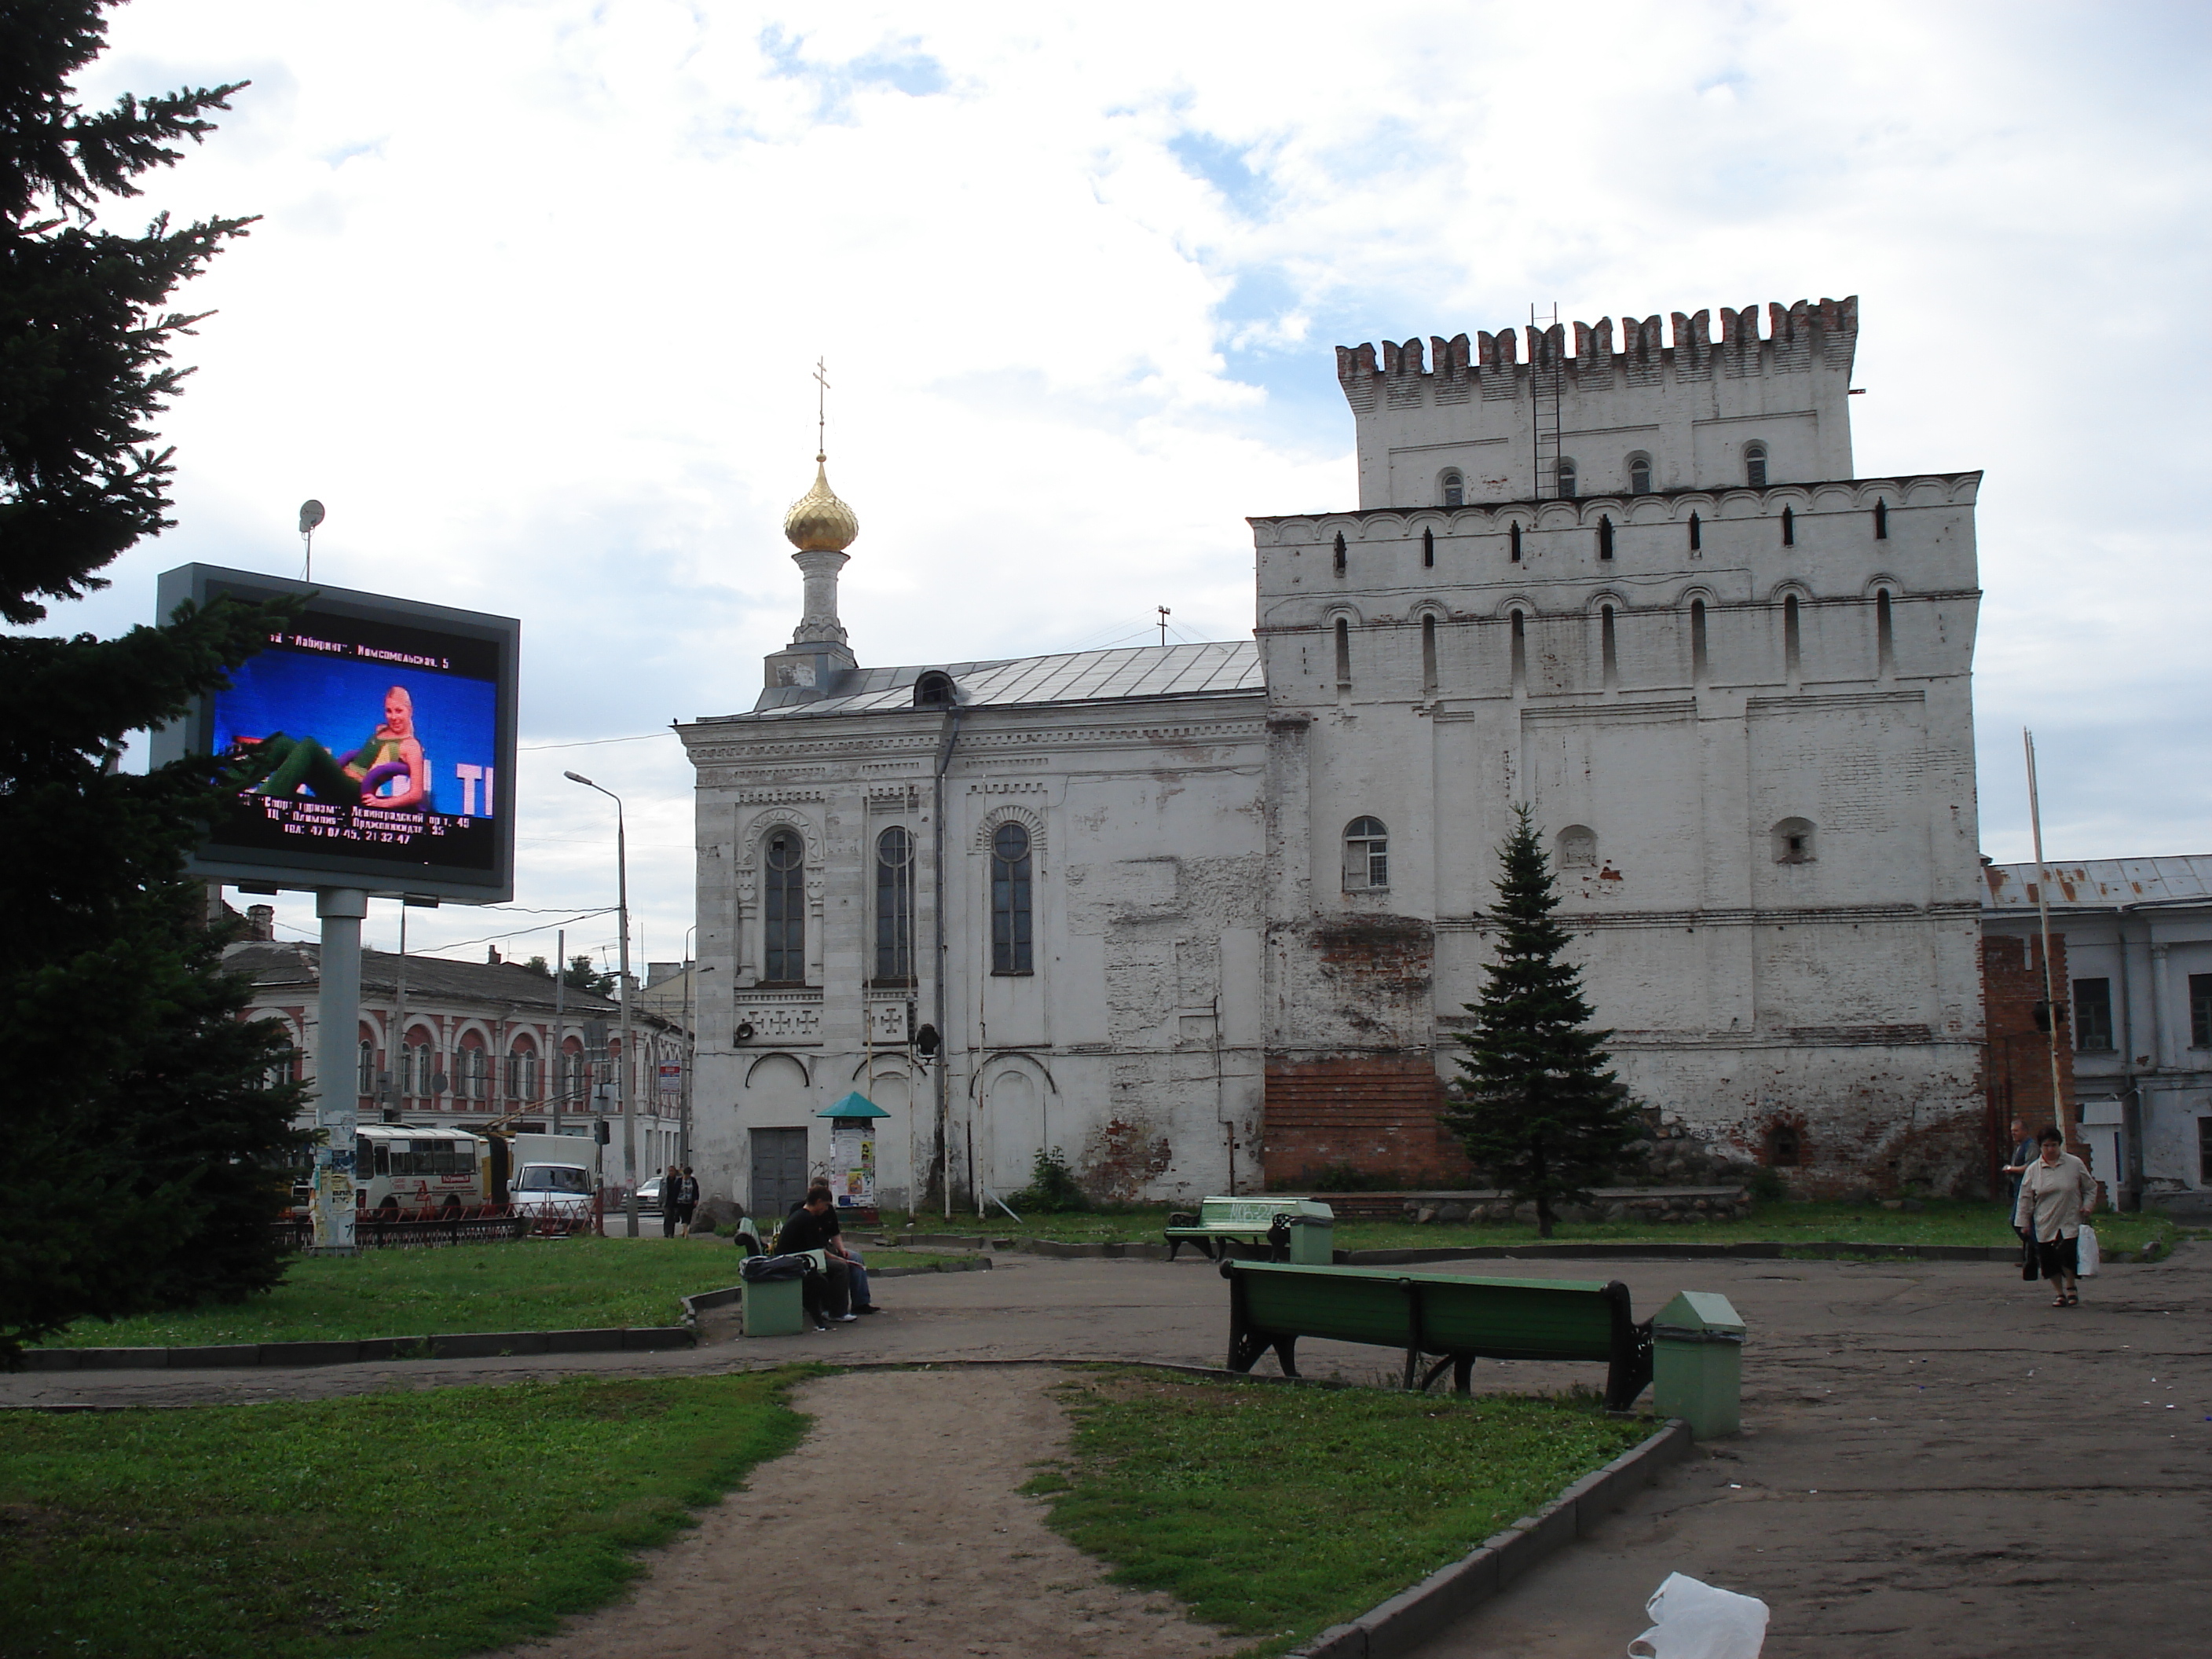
point(2017, 1072)
point(1376, 1113)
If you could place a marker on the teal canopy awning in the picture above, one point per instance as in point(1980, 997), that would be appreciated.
point(853, 1105)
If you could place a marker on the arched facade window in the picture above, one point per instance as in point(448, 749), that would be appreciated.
point(365, 1069)
point(783, 908)
point(1699, 663)
point(1793, 842)
point(1454, 488)
point(1639, 475)
point(474, 1064)
point(895, 908)
point(1754, 465)
point(1343, 651)
point(1428, 653)
point(1428, 548)
point(1011, 920)
point(1519, 653)
point(1339, 553)
point(1366, 856)
point(522, 1072)
point(1884, 633)
point(1697, 534)
point(1578, 847)
point(1566, 476)
point(1791, 638)
point(1513, 531)
point(1609, 647)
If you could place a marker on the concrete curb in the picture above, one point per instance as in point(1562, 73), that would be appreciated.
point(476, 1345)
point(1411, 1616)
point(1749, 1250)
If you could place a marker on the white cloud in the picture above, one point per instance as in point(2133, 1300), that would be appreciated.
point(538, 288)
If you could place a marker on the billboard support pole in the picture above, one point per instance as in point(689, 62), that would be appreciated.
point(337, 1037)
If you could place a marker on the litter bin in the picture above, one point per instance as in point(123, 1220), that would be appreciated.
point(1313, 1240)
point(774, 1303)
point(1697, 1363)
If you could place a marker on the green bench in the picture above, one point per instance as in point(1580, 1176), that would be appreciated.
point(1446, 1318)
point(1301, 1230)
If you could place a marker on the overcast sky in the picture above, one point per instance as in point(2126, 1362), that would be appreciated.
point(538, 288)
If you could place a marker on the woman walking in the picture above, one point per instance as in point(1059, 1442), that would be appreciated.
point(2055, 1195)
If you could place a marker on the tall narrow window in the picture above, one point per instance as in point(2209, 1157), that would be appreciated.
point(1880, 521)
point(1428, 653)
point(2092, 1015)
point(365, 1069)
point(1609, 652)
point(1428, 548)
point(1339, 552)
point(1010, 900)
point(783, 910)
point(1454, 490)
point(1366, 855)
point(1697, 534)
point(1754, 465)
point(1790, 638)
point(893, 908)
point(1343, 651)
point(1566, 481)
point(1698, 663)
point(1515, 537)
point(2200, 1011)
point(1639, 475)
point(1885, 635)
point(1789, 527)
point(1605, 536)
point(1520, 654)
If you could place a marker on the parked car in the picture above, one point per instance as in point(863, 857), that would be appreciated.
point(648, 1193)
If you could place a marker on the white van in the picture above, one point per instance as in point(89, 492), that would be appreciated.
point(553, 1191)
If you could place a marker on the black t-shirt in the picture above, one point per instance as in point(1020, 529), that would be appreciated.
point(806, 1231)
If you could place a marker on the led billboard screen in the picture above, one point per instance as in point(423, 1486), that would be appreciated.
point(376, 738)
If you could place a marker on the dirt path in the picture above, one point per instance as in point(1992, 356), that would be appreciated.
point(895, 1530)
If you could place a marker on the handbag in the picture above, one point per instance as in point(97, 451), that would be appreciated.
point(2085, 1244)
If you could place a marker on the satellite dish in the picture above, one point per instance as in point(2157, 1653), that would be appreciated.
point(311, 514)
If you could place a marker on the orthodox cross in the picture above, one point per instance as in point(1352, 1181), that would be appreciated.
point(821, 404)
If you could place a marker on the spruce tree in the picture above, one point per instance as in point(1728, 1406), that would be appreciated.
point(140, 1133)
point(1541, 1112)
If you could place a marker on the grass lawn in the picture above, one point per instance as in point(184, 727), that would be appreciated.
point(1275, 1512)
point(393, 1524)
point(1945, 1221)
point(531, 1285)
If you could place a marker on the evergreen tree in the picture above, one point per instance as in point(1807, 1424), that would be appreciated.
point(1542, 1113)
point(141, 1131)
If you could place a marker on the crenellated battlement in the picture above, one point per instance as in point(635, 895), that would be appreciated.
point(1798, 338)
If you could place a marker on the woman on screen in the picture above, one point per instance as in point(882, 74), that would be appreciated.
point(392, 754)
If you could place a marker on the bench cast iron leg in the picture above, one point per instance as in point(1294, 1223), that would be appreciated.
point(1286, 1354)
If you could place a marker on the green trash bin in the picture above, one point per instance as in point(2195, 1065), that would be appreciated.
point(1313, 1240)
point(773, 1307)
point(1697, 1363)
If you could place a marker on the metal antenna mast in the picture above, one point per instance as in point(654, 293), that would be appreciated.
point(1165, 613)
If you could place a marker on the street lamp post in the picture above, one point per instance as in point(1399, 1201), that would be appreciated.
point(629, 1058)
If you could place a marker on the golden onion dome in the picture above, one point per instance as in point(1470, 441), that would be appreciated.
point(818, 522)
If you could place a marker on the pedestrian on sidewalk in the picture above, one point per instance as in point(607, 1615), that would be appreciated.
point(2056, 1194)
point(687, 1202)
point(671, 1180)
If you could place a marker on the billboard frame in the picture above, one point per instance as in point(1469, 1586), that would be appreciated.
point(299, 870)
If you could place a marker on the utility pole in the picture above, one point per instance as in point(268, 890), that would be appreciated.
point(628, 1056)
point(2043, 915)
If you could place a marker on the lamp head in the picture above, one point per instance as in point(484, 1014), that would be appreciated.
point(578, 777)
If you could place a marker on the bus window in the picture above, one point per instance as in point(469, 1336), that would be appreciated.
point(383, 1157)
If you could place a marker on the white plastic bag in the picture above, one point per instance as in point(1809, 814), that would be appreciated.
point(2085, 1251)
point(1694, 1620)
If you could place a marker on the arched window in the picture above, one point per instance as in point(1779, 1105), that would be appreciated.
point(1884, 633)
point(1697, 534)
point(1793, 841)
point(933, 689)
point(1698, 662)
point(1608, 650)
point(1789, 527)
point(1754, 465)
point(1428, 653)
point(893, 908)
point(1577, 847)
point(1605, 536)
point(1366, 856)
point(1428, 548)
point(1639, 475)
point(1339, 552)
point(1514, 529)
point(1880, 521)
point(1010, 900)
point(1520, 654)
point(522, 1073)
point(1454, 488)
point(365, 1069)
point(1790, 638)
point(474, 1081)
point(783, 909)
point(1566, 475)
point(1343, 651)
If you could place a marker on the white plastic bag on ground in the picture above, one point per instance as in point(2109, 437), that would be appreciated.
point(2086, 1262)
point(1694, 1620)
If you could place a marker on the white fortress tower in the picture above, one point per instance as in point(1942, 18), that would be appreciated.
point(1640, 590)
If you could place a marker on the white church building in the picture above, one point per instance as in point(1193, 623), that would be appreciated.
point(1205, 917)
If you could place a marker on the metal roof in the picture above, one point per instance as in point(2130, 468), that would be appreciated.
point(1219, 668)
point(2100, 883)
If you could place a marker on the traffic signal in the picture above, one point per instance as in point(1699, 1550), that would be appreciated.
point(599, 1131)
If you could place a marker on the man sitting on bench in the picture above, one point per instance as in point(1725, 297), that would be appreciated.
point(842, 1292)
